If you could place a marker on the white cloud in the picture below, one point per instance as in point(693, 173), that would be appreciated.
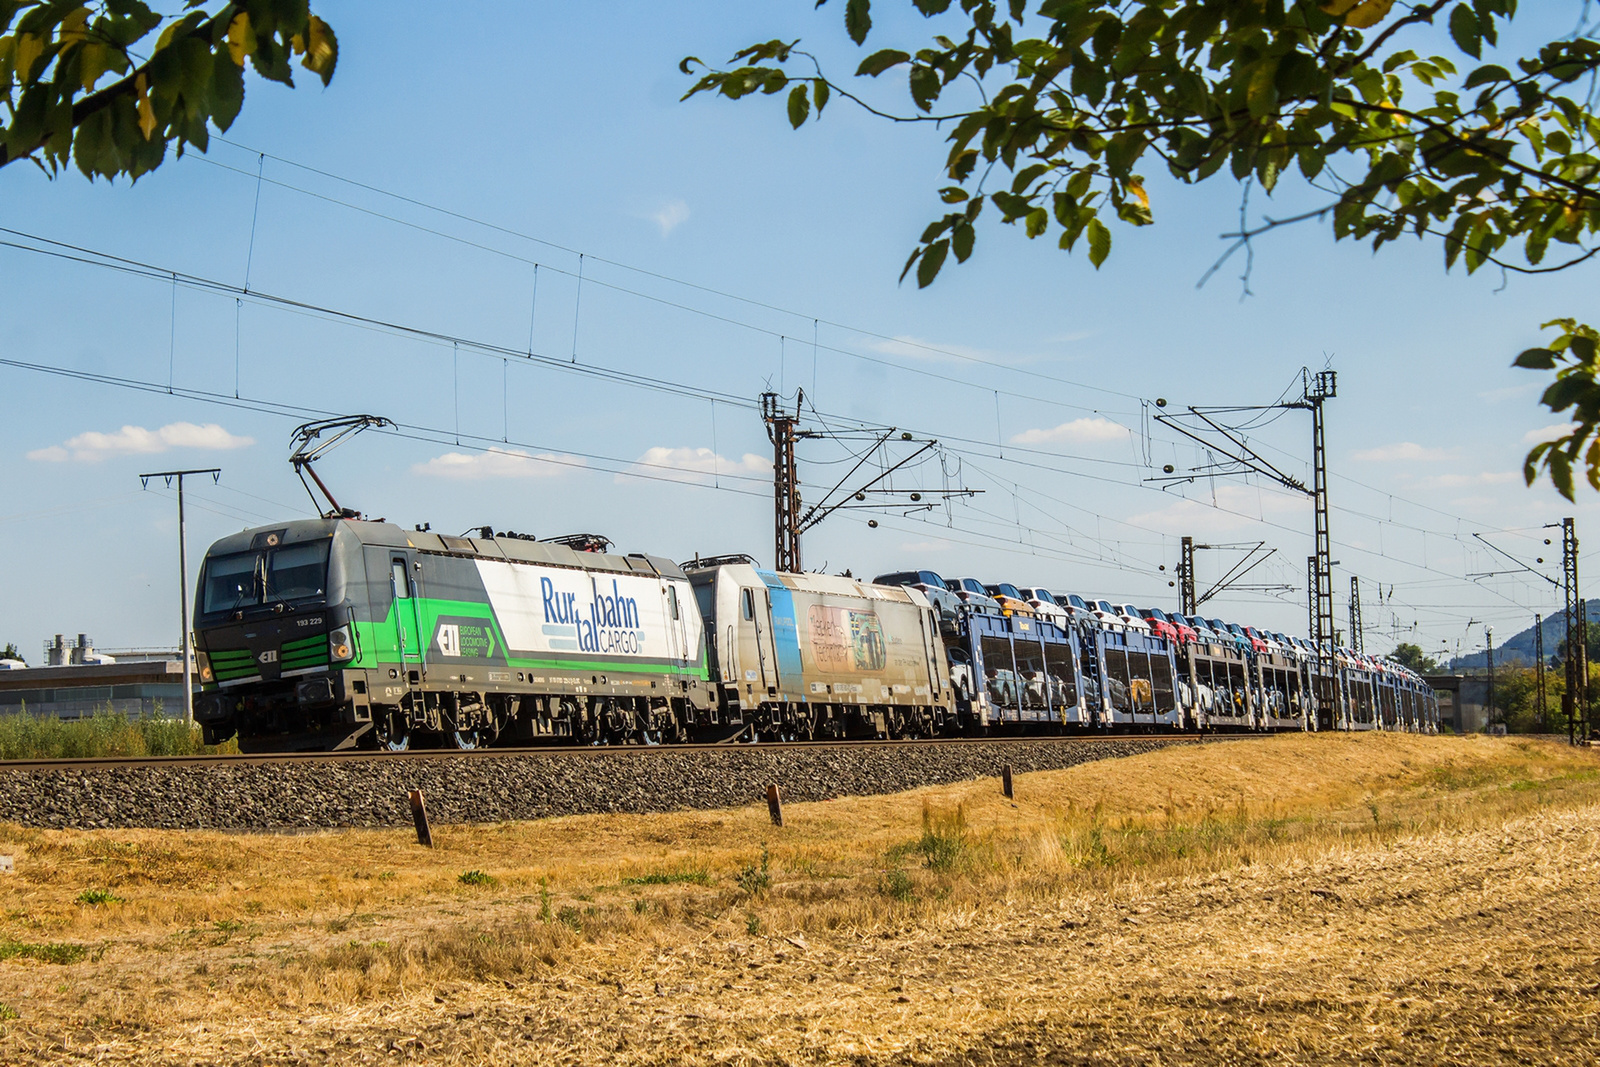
point(1237, 507)
point(1456, 481)
point(695, 464)
point(670, 216)
point(1548, 433)
point(1477, 503)
point(909, 347)
point(1083, 431)
point(1510, 392)
point(497, 463)
point(136, 441)
point(916, 547)
point(1405, 452)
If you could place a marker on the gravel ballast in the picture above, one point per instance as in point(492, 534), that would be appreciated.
point(487, 787)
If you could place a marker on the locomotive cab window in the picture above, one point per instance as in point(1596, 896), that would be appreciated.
point(402, 585)
point(705, 596)
point(747, 604)
point(250, 579)
point(672, 602)
point(297, 572)
point(230, 582)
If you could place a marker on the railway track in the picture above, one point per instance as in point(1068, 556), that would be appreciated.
point(251, 759)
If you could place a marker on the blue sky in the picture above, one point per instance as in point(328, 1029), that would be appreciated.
point(722, 251)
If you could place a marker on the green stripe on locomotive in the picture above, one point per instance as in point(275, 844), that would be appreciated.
point(378, 645)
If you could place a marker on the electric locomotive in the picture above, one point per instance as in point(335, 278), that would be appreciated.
point(327, 633)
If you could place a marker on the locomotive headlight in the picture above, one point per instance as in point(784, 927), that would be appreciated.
point(202, 664)
point(340, 646)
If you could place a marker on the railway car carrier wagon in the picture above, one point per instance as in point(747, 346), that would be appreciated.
point(318, 632)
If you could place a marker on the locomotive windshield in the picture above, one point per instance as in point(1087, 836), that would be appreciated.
point(249, 579)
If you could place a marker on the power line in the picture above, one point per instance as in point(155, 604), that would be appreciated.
point(659, 276)
point(138, 268)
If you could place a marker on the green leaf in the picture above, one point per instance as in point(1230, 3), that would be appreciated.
point(1036, 222)
point(932, 260)
point(961, 239)
point(880, 61)
point(1485, 74)
point(1465, 31)
point(1099, 242)
point(1027, 176)
point(1311, 159)
point(924, 86)
point(1398, 60)
point(227, 93)
point(820, 91)
point(1583, 348)
point(1536, 359)
point(858, 19)
point(1565, 392)
point(799, 105)
point(1560, 472)
point(952, 194)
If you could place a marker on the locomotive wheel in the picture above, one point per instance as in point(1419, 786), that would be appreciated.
point(390, 735)
point(649, 727)
point(466, 740)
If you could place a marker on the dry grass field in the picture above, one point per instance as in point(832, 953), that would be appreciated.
point(1301, 899)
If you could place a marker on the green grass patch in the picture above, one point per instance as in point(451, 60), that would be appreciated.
point(478, 878)
point(105, 733)
point(94, 897)
point(689, 876)
point(756, 879)
point(897, 885)
point(945, 845)
point(58, 952)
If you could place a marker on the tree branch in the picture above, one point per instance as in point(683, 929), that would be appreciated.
point(126, 86)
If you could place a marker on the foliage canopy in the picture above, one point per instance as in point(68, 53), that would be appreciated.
point(1410, 655)
point(1053, 116)
point(86, 83)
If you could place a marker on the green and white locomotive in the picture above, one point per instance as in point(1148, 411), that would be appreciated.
point(321, 632)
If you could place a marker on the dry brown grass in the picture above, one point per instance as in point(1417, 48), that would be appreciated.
point(1298, 898)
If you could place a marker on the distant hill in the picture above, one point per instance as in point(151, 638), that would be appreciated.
point(1519, 650)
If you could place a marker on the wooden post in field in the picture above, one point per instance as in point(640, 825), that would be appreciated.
point(1005, 781)
point(775, 804)
point(419, 815)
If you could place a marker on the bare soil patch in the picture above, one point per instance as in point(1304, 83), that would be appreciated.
point(1297, 900)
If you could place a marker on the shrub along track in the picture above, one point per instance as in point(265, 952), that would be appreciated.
point(366, 789)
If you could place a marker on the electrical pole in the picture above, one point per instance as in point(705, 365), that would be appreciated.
point(1576, 700)
point(1186, 578)
point(183, 578)
point(1538, 657)
point(1488, 642)
point(1311, 585)
point(785, 482)
point(1323, 386)
point(1237, 455)
point(1355, 616)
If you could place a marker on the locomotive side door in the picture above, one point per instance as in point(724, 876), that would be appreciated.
point(409, 638)
point(756, 654)
point(677, 635)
